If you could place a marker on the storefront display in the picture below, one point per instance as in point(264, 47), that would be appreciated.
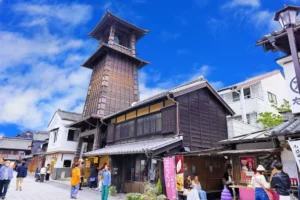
point(179, 172)
point(247, 165)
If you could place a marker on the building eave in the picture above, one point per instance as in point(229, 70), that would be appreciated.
point(91, 61)
point(108, 18)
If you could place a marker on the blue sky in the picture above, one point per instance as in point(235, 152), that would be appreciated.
point(44, 42)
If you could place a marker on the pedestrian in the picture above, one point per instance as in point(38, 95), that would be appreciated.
point(106, 181)
point(48, 168)
point(6, 175)
point(81, 167)
point(75, 181)
point(260, 184)
point(280, 181)
point(43, 172)
point(22, 173)
point(1, 162)
point(93, 176)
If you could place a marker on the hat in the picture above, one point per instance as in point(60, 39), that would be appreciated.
point(260, 168)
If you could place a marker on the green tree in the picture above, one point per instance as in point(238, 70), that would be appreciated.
point(269, 119)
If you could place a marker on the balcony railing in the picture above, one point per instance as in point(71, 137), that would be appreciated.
point(122, 49)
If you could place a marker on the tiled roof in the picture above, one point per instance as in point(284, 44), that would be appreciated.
point(15, 143)
point(41, 135)
point(259, 135)
point(70, 116)
point(290, 126)
point(253, 80)
point(134, 147)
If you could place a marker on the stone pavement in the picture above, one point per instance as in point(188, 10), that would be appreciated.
point(50, 191)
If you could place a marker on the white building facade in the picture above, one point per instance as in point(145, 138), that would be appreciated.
point(251, 97)
point(62, 142)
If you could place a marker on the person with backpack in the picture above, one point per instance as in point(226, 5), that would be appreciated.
point(281, 182)
point(22, 173)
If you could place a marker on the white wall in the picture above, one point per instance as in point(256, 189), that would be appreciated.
point(62, 143)
point(237, 128)
point(60, 159)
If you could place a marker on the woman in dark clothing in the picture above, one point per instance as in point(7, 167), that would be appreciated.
point(93, 177)
point(227, 181)
point(188, 182)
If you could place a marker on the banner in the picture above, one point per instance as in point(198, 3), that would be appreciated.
point(291, 85)
point(179, 172)
point(169, 172)
point(295, 146)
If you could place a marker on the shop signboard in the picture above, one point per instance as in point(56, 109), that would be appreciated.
point(292, 87)
point(169, 173)
point(179, 172)
point(295, 146)
point(248, 165)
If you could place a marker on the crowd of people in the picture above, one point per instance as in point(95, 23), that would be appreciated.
point(279, 181)
point(98, 178)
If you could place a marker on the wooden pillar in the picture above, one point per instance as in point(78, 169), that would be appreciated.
point(96, 144)
point(132, 45)
point(111, 37)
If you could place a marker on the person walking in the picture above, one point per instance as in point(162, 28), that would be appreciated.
point(75, 181)
point(48, 168)
point(106, 181)
point(260, 184)
point(43, 172)
point(21, 174)
point(81, 167)
point(93, 177)
point(280, 181)
point(6, 175)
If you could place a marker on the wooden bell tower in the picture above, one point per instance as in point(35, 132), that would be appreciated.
point(114, 81)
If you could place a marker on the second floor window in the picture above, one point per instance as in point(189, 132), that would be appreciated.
point(272, 98)
point(149, 124)
point(72, 135)
point(236, 94)
point(125, 130)
point(55, 133)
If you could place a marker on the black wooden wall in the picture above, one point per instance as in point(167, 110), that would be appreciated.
point(202, 120)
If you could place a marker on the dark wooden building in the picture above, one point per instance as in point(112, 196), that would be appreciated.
point(191, 116)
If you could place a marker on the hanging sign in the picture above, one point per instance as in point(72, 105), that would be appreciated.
point(169, 173)
point(179, 172)
point(295, 146)
point(292, 86)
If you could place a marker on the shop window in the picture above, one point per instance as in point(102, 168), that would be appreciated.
point(130, 164)
point(67, 163)
point(141, 169)
point(247, 167)
point(272, 98)
point(73, 135)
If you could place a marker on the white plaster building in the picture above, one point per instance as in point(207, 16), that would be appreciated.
point(251, 97)
point(62, 141)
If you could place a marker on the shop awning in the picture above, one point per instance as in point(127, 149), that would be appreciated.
point(153, 147)
point(247, 151)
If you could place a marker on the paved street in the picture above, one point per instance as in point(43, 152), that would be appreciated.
point(45, 191)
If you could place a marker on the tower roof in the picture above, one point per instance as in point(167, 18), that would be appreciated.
point(90, 62)
point(109, 19)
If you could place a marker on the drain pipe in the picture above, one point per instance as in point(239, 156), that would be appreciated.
point(177, 112)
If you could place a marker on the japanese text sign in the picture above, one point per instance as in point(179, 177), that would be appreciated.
point(295, 146)
point(169, 172)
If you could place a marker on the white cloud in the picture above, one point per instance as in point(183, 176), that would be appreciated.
point(166, 36)
point(40, 72)
point(265, 19)
point(217, 84)
point(23, 50)
point(71, 14)
point(248, 3)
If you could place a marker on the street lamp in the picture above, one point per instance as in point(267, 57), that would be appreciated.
point(287, 19)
